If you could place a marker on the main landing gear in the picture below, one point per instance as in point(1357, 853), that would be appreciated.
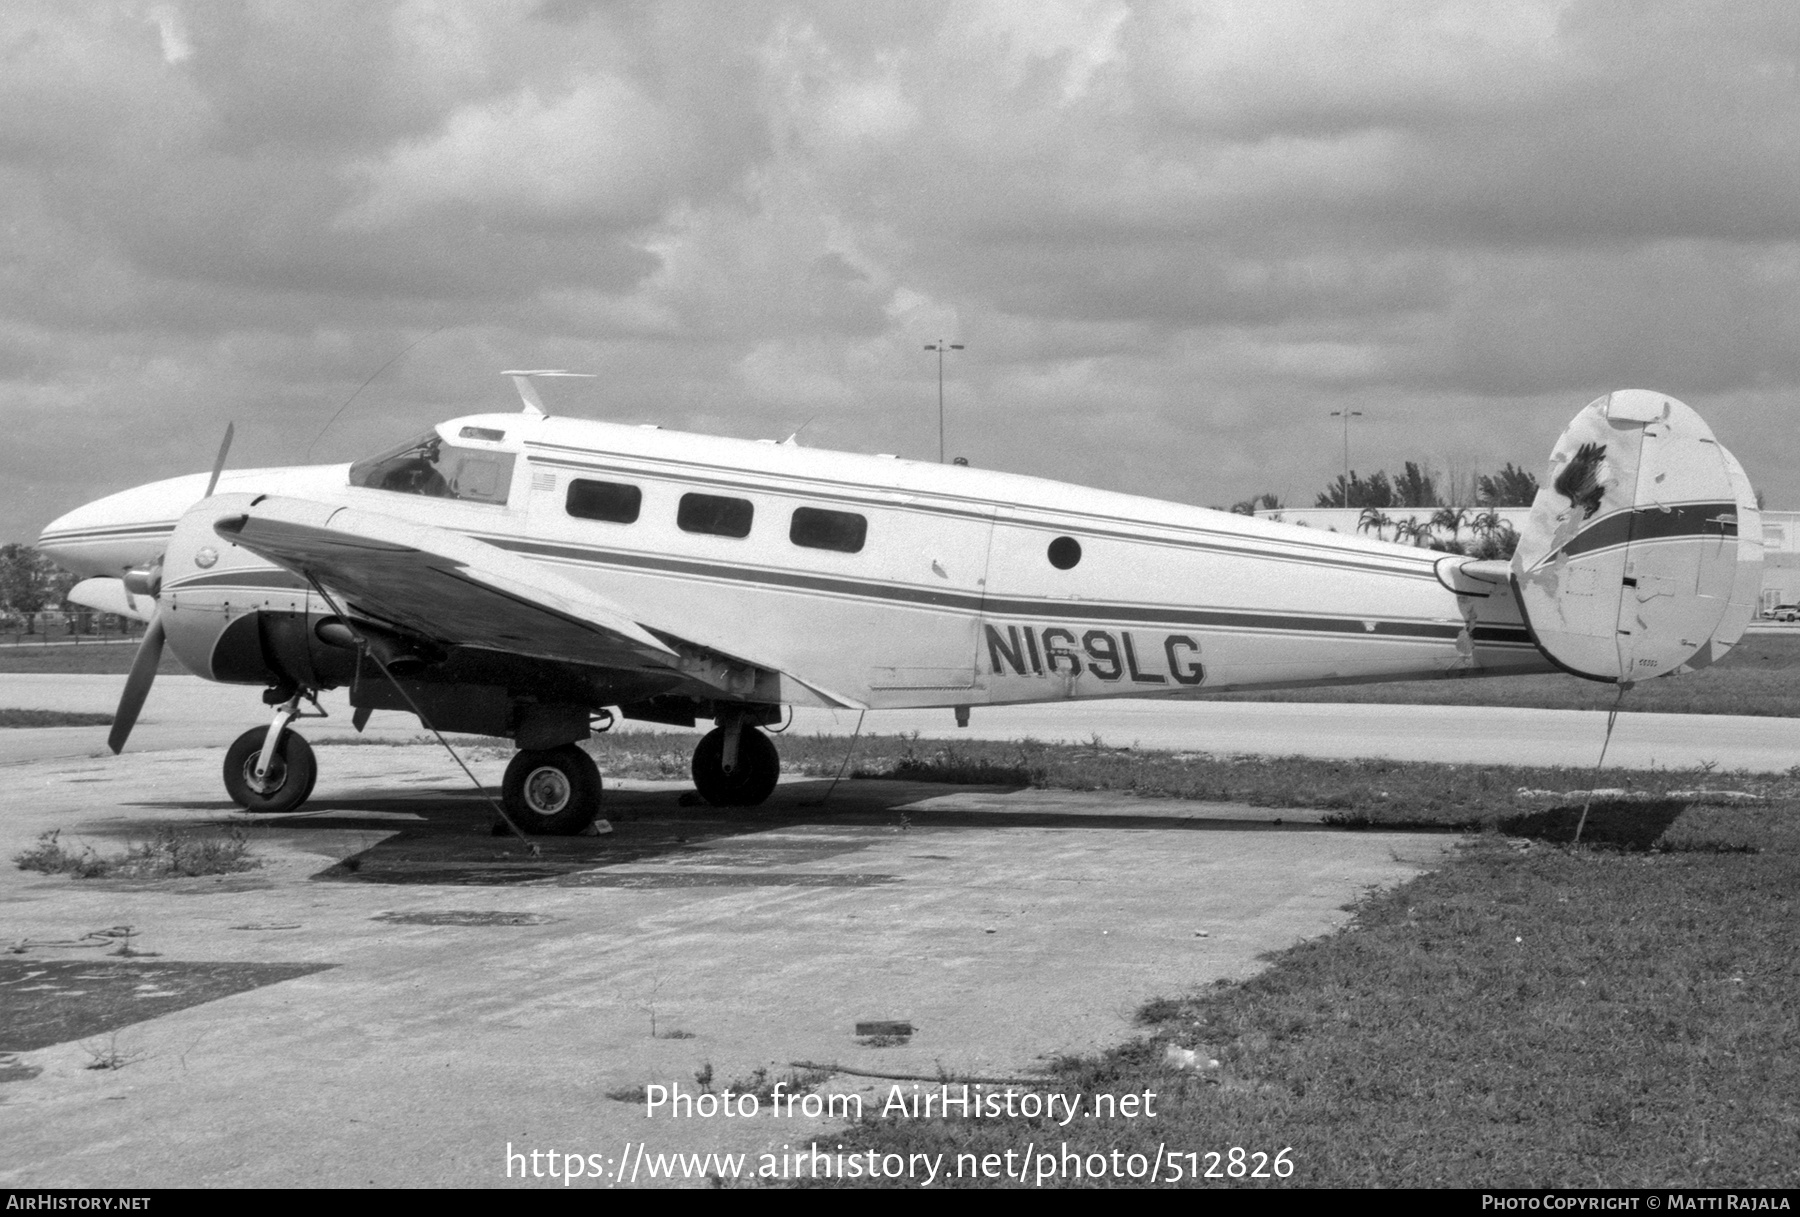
point(547, 791)
point(550, 791)
point(554, 791)
point(735, 765)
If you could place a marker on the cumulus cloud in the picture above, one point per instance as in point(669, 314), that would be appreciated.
point(1173, 234)
point(603, 151)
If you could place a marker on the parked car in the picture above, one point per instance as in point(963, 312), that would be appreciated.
point(1784, 612)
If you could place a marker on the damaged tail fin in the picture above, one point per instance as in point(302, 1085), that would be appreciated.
point(1643, 552)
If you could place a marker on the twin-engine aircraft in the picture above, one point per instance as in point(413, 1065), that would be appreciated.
point(526, 576)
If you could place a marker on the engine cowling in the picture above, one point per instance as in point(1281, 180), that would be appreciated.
point(234, 617)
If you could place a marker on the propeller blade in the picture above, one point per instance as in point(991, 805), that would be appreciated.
point(137, 685)
point(218, 468)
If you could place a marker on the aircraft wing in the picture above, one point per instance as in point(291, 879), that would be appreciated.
point(439, 584)
point(452, 589)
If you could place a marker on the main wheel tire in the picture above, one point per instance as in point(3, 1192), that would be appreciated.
point(292, 772)
point(552, 791)
point(751, 782)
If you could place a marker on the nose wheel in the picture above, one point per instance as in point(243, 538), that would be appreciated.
point(749, 782)
point(552, 791)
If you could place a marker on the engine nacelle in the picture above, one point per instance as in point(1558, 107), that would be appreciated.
point(231, 616)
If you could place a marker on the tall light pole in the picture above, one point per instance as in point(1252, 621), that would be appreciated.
point(940, 346)
point(1346, 415)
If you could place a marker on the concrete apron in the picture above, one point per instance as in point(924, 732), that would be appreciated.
point(1007, 927)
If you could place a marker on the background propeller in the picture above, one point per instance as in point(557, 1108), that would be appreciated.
point(149, 652)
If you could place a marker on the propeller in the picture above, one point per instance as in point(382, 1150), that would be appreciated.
point(137, 685)
point(219, 464)
point(149, 652)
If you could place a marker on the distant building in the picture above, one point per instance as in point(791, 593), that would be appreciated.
point(1781, 558)
point(1781, 536)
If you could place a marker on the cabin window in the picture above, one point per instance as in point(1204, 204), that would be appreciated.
point(1065, 552)
point(615, 502)
point(714, 515)
point(428, 466)
point(815, 528)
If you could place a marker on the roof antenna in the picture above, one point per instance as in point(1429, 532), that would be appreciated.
point(365, 384)
point(793, 441)
point(521, 378)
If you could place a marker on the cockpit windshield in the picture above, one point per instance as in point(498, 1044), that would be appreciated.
point(431, 467)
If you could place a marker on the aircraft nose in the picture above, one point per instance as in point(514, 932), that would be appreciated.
point(111, 535)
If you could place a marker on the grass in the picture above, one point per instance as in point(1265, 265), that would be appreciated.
point(1756, 677)
point(1366, 793)
point(1534, 1014)
point(52, 718)
point(1620, 1014)
point(1550, 1018)
point(1540, 1017)
point(112, 658)
point(168, 854)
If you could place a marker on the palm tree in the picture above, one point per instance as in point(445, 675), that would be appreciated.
point(1497, 537)
point(1487, 523)
point(1410, 529)
point(1452, 518)
point(1374, 517)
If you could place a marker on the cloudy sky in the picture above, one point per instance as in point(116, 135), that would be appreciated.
point(1174, 236)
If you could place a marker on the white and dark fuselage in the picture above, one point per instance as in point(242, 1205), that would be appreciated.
point(517, 576)
point(891, 583)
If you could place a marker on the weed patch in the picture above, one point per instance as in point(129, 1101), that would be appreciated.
point(167, 855)
point(51, 857)
point(960, 765)
point(885, 1040)
point(793, 1082)
point(109, 1057)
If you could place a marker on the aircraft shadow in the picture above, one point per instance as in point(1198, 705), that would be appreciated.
point(1630, 825)
point(453, 837)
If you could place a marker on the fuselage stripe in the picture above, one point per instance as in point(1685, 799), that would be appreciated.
point(1005, 606)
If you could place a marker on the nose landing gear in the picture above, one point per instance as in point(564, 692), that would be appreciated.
point(286, 781)
point(272, 769)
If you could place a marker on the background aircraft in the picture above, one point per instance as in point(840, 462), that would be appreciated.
point(524, 576)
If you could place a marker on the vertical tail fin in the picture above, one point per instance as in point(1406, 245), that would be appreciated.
point(1643, 553)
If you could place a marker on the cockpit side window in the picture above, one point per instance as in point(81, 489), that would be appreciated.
point(430, 467)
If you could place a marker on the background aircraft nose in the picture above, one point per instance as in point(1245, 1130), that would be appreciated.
point(111, 535)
